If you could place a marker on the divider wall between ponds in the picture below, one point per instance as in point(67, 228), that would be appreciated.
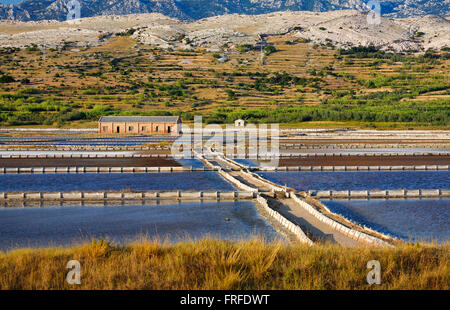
point(121, 195)
point(41, 170)
point(293, 228)
point(381, 194)
point(355, 168)
point(349, 232)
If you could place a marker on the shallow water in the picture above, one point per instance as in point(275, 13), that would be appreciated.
point(64, 226)
point(361, 180)
point(61, 140)
point(410, 220)
point(113, 141)
point(247, 162)
point(366, 150)
point(191, 162)
point(207, 180)
point(67, 153)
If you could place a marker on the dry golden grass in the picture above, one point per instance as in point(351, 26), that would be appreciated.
point(213, 264)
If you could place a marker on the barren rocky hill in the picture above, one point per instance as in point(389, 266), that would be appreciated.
point(33, 10)
point(336, 28)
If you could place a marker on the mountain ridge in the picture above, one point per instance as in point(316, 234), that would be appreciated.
point(36, 10)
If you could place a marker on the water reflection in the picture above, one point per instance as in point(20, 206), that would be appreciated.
point(68, 225)
point(208, 180)
point(410, 220)
point(361, 180)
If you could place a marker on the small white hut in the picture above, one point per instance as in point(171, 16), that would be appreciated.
point(240, 123)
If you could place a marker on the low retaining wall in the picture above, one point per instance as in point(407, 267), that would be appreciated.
point(236, 182)
point(355, 168)
point(247, 155)
point(46, 147)
point(269, 156)
point(273, 186)
point(297, 146)
point(286, 146)
point(293, 228)
point(227, 176)
point(41, 170)
point(367, 194)
point(86, 156)
point(205, 161)
point(96, 196)
point(349, 232)
point(237, 165)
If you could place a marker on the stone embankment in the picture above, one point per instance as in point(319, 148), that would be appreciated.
point(354, 168)
point(74, 155)
point(293, 228)
point(341, 232)
point(381, 194)
point(42, 170)
point(269, 156)
point(122, 195)
point(343, 146)
point(50, 147)
point(349, 232)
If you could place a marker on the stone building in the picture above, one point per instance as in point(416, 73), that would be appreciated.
point(139, 124)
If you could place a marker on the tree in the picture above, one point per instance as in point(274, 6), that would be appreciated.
point(6, 79)
point(269, 49)
point(231, 94)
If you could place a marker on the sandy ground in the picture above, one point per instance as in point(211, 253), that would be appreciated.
point(407, 160)
point(89, 162)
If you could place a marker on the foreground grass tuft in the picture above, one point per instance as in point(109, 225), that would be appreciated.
point(214, 264)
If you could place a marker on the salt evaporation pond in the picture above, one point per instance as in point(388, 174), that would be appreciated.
point(410, 220)
point(69, 225)
point(191, 162)
point(361, 180)
point(208, 180)
point(246, 161)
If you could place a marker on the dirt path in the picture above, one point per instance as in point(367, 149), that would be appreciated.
point(250, 182)
point(315, 229)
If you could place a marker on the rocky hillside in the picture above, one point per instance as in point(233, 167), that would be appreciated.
point(336, 29)
point(33, 10)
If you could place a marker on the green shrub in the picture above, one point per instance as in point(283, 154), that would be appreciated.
point(7, 79)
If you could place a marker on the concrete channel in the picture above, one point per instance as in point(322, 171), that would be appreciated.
point(290, 210)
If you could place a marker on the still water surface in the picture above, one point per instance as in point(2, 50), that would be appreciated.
point(361, 180)
point(208, 180)
point(68, 225)
point(410, 220)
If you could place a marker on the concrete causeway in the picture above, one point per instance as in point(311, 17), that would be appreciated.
point(285, 201)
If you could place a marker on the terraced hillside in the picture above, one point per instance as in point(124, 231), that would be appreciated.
point(286, 80)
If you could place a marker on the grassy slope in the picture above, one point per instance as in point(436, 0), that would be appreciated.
point(211, 264)
point(85, 81)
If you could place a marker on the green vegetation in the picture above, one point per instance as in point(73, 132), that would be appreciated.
point(59, 87)
point(6, 79)
point(212, 264)
point(269, 49)
point(434, 112)
point(362, 52)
